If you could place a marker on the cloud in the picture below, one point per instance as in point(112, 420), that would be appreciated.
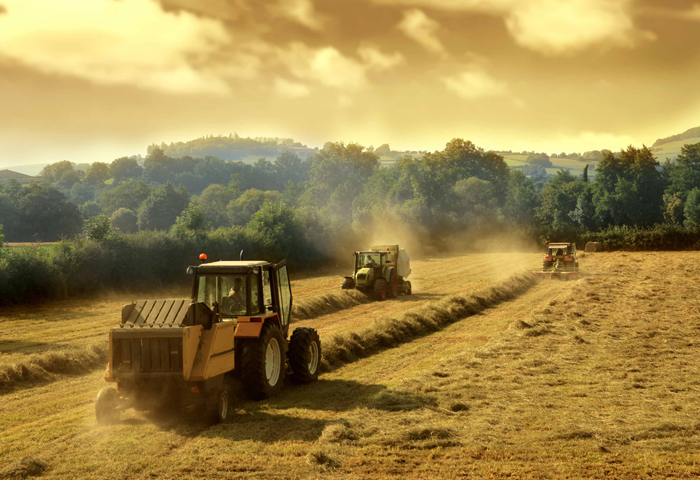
point(475, 83)
point(375, 59)
point(290, 89)
point(692, 14)
point(300, 11)
point(325, 65)
point(555, 27)
point(417, 26)
point(126, 42)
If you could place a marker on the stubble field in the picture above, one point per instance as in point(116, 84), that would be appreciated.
point(489, 373)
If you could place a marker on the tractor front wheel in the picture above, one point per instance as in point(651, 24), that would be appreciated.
point(262, 363)
point(106, 405)
point(304, 355)
point(379, 289)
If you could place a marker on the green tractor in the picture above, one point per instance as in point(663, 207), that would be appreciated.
point(380, 272)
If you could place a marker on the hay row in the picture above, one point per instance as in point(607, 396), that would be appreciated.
point(388, 332)
point(328, 303)
point(46, 366)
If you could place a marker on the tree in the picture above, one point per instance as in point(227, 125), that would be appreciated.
point(191, 224)
point(241, 210)
point(214, 202)
point(46, 214)
point(97, 173)
point(692, 208)
point(383, 150)
point(674, 207)
point(521, 200)
point(125, 220)
point(278, 226)
point(476, 198)
point(53, 173)
point(584, 177)
point(90, 209)
point(124, 168)
point(160, 210)
point(541, 159)
point(97, 228)
point(129, 194)
point(684, 175)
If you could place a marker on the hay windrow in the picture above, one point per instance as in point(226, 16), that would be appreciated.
point(46, 366)
point(328, 303)
point(388, 332)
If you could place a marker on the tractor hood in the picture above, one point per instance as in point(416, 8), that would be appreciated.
point(364, 276)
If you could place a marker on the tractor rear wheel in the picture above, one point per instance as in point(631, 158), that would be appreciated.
point(218, 406)
point(379, 289)
point(393, 285)
point(262, 363)
point(106, 406)
point(304, 355)
point(407, 288)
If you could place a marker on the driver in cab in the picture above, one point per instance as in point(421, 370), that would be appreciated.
point(237, 293)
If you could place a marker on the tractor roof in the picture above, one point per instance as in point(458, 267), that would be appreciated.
point(231, 266)
point(559, 245)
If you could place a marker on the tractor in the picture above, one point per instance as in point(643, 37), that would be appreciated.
point(186, 353)
point(380, 272)
point(560, 260)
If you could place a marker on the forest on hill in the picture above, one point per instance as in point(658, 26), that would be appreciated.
point(308, 209)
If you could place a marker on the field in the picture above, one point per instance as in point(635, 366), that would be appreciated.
point(500, 375)
point(672, 149)
point(574, 166)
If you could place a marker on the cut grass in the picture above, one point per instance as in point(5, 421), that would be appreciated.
point(328, 303)
point(389, 332)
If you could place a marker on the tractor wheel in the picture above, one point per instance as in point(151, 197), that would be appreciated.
point(262, 363)
point(407, 288)
point(106, 406)
point(379, 289)
point(217, 406)
point(393, 286)
point(304, 355)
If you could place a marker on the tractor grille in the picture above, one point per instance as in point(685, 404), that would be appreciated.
point(361, 277)
point(138, 352)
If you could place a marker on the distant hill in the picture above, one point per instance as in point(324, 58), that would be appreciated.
point(670, 147)
point(6, 175)
point(233, 147)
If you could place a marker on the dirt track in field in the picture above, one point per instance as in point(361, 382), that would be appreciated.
point(596, 378)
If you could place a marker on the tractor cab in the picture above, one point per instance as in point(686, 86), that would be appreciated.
point(562, 251)
point(233, 289)
point(368, 267)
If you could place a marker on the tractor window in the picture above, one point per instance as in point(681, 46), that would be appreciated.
point(284, 292)
point(267, 290)
point(370, 260)
point(228, 291)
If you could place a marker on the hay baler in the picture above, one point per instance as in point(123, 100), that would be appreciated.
point(180, 351)
point(380, 272)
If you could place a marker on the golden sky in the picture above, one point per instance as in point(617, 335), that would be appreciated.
point(91, 80)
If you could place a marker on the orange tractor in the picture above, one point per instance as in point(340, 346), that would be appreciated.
point(560, 261)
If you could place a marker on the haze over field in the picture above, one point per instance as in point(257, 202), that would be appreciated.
point(93, 80)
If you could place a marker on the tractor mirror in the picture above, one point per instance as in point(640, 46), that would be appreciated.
point(190, 270)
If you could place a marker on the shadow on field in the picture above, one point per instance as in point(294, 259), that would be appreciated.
point(294, 415)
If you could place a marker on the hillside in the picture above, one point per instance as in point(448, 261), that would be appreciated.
point(670, 147)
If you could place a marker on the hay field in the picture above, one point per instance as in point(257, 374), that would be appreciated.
point(595, 378)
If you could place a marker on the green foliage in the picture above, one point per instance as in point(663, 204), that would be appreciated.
point(191, 224)
point(215, 200)
point(125, 220)
point(522, 199)
point(124, 168)
point(97, 173)
point(541, 159)
point(97, 228)
point(692, 209)
point(241, 210)
point(674, 207)
point(129, 194)
point(162, 207)
point(90, 209)
point(54, 172)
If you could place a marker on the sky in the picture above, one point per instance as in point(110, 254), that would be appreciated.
point(93, 80)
